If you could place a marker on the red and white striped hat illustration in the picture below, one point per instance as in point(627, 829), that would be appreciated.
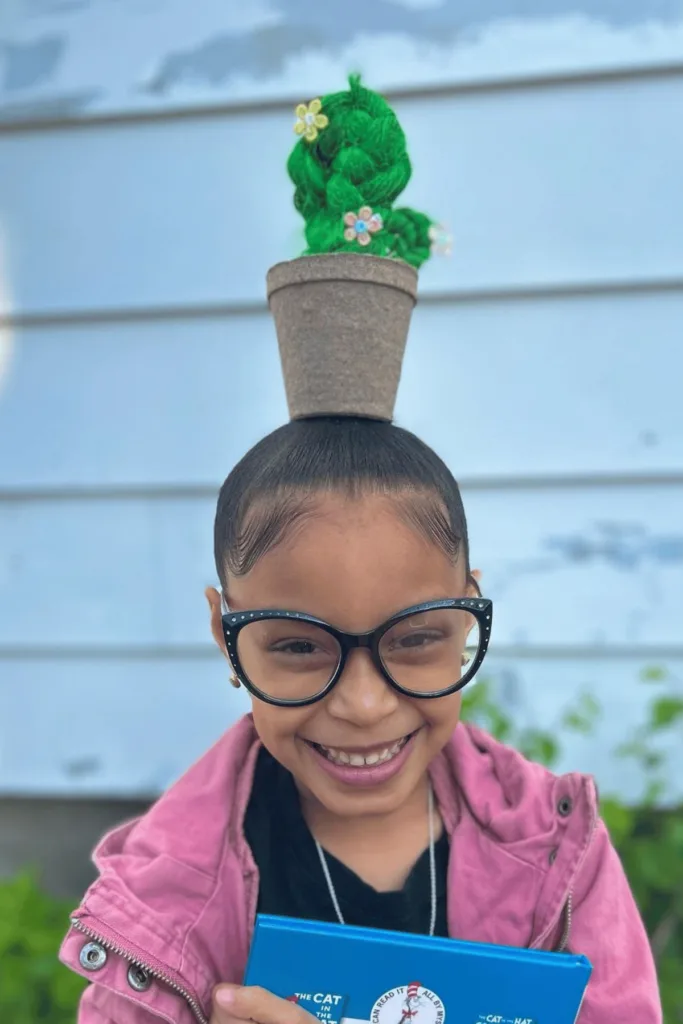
point(413, 990)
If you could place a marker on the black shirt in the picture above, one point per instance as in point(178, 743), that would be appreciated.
point(292, 883)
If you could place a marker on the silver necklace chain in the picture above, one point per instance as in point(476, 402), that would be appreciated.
point(432, 871)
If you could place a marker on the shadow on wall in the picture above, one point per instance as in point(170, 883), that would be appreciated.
point(260, 41)
point(331, 27)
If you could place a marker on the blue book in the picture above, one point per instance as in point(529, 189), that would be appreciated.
point(366, 976)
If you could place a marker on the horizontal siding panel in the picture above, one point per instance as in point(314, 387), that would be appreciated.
point(561, 184)
point(168, 54)
point(121, 727)
point(599, 568)
point(501, 389)
point(139, 404)
point(129, 727)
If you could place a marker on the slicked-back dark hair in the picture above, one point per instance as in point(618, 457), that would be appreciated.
point(274, 484)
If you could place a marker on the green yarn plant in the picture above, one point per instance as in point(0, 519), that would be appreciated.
point(348, 168)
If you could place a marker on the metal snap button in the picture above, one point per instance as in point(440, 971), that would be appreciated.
point(93, 957)
point(565, 806)
point(139, 978)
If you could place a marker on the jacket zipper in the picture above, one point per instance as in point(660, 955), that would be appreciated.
point(566, 931)
point(152, 971)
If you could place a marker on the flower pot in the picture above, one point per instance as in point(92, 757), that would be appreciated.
point(342, 323)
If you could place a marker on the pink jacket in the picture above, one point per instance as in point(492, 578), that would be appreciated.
point(531, 865)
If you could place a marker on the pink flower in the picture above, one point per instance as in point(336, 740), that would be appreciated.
point(360, 226)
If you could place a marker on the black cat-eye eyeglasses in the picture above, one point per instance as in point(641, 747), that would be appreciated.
point(291, 659)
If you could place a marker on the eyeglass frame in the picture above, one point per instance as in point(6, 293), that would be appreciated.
point(233, 623)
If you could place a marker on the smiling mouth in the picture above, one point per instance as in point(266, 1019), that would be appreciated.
point(357, 760)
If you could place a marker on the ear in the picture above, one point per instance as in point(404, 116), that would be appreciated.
point(216, 614)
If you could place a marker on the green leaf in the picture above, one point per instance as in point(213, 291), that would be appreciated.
point(539, 746)
point(583, 716)
point(654, 791)
point(573, 721)
point(633, 749)
point(618, 818)
point(591, 705)
point(653, 674)
point(665, 711)
point(660, 865)
point(34, 985)
point(673, 834)
point(479, 707)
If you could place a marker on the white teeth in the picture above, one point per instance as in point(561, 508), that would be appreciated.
point(360, 761)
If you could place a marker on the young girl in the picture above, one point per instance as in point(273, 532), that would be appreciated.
point(349, 611)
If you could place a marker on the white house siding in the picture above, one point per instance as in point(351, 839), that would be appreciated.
point(143, 195)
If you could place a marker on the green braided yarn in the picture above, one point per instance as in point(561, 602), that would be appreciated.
point(359, 159)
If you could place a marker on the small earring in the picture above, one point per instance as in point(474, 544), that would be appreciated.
point(235, 682)
point(466, 659)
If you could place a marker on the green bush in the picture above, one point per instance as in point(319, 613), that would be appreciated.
point(34, 987)
point(649, 836)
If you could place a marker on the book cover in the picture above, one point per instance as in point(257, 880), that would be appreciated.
point(347, 975)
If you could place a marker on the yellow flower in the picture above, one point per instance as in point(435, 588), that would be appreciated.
point(309, 120)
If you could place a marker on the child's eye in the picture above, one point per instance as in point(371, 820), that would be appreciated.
point(294, 647)
point(411, 640)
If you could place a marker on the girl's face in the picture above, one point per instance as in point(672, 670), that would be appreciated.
point(352, 563)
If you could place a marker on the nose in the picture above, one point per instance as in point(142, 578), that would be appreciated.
point(362, 696)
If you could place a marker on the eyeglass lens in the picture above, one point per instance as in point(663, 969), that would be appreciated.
point(291, 660)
